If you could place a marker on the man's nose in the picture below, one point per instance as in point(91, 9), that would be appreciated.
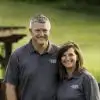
point(41, 33)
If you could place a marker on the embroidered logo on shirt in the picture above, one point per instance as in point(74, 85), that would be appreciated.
point(53, 61)
point(75, 86)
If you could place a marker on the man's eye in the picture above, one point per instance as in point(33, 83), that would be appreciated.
point(41, 30)
point(37, 30)
point(44, 30)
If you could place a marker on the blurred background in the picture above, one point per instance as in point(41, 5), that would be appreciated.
point(76, 20)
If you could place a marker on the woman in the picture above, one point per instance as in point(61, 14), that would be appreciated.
point(76, 83)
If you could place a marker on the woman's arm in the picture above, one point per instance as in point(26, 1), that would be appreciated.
point(90, 87)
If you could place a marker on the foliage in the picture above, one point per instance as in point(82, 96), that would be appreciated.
point(70, 2)
point(66, 25)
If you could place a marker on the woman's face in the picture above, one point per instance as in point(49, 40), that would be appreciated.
point(69, 59)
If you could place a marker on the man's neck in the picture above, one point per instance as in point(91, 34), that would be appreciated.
point(40, 48)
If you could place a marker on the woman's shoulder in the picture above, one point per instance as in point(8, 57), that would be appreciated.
point(87, 75)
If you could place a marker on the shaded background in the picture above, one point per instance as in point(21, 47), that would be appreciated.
point(76, 20)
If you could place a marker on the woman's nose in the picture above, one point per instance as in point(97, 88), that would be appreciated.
point(67, 57)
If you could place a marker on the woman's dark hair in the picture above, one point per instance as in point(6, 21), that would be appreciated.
point(79, 62)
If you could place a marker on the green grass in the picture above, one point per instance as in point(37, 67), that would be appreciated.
point(66, 25)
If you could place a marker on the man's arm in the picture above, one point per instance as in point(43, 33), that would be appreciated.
point(11, 78)
point(10, 92)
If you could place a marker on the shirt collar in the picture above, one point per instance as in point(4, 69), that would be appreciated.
point(77, 75)
point(30, 47)
point(74, 76)
point(49, 50)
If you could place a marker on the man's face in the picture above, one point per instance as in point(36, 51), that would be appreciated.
point(40, 32)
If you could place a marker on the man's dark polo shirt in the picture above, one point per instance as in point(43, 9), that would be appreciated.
point(80, 87)
point(35, 75)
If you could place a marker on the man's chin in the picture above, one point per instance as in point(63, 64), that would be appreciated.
point(41, 42)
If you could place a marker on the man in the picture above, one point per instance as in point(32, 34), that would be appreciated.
point(31, 71)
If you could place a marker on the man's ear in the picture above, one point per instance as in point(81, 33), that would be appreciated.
point(30, 30)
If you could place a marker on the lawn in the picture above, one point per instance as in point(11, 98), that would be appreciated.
point(66, 25)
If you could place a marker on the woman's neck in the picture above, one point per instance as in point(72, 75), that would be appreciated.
point(69, 72)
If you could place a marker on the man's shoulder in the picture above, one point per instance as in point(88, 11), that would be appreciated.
point(54, 48)
point(21, 49)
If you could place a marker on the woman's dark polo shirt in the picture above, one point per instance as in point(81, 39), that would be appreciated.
point(79, 87)
point(35, 75)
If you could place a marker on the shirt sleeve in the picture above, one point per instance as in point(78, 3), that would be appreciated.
point(91, 88)
point(11, 75)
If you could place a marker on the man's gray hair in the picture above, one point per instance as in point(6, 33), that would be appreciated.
point(39, 19)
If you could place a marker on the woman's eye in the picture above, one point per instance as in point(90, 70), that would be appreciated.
point(63, 55)
point(70, 54)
